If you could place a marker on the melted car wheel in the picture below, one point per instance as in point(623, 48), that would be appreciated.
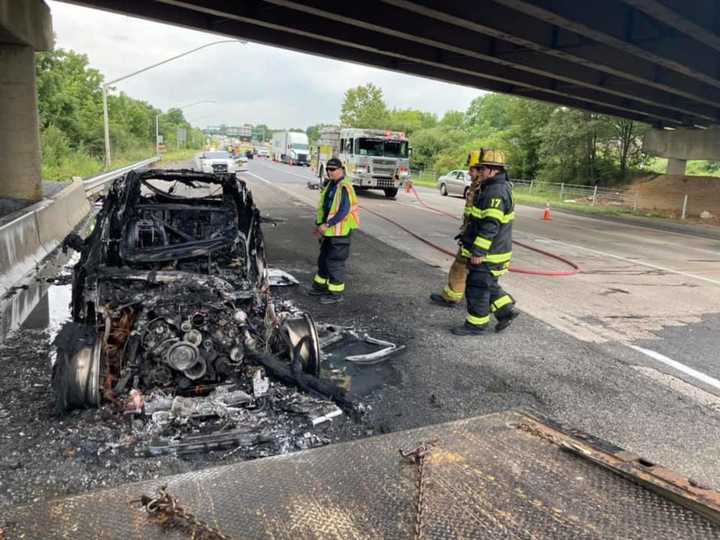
point(76, 373)
point(302, 331)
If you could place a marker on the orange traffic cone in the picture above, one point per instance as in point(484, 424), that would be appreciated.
point(547, 214)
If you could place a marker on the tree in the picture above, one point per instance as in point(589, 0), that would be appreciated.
point(313, 132)
point(410, 120)
point(364, 107)
point(453, 120)
point(489, 113)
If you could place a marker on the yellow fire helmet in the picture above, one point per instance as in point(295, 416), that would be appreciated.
point(487, 156)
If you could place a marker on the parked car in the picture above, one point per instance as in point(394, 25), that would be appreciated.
point(216, 162)
point(454, 183)
point(262, 152)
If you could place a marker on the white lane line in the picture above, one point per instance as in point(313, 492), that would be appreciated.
point(260, 178)
point(278, 169)
point(634, 261)
point(707, 379)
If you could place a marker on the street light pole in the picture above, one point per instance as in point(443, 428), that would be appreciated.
point(105, 86)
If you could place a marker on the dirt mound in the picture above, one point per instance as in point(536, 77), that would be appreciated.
point(665, 194)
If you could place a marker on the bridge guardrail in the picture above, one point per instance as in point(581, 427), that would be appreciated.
point(97, 184)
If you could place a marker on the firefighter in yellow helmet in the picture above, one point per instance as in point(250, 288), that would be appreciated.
point(337, 217)
point(454, 291)
point(487, 244)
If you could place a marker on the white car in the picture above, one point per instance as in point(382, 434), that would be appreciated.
point(454, 183)
point(262, 152)
point(216, 161)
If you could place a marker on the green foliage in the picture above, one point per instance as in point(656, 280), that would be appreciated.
point(71, 119)
point(488, 113)
point(410, 120)
point(364, 107)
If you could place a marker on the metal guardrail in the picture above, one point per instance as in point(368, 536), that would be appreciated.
point(97, 184)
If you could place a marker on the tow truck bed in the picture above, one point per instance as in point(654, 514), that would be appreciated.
point(506, 475)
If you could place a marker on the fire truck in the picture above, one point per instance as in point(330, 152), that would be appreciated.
point(373, 158)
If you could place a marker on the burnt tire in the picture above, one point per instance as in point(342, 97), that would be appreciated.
point(391, 193)
point(76, 372)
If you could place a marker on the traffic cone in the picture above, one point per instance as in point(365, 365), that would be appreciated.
point(547, 214)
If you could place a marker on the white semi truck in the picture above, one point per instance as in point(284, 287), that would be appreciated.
point(291, 147)
point(374, 158)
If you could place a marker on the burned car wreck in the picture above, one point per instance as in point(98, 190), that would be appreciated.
point(171, 297)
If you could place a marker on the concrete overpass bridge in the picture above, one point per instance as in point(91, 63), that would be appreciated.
point(654, 61)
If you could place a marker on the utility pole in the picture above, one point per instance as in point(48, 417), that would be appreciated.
point(105, 86)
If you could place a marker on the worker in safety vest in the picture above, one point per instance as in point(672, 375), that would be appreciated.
point(454, 292)
point(337, 217)
point(487, 244)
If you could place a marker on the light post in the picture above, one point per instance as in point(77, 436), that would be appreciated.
point(105, 86)
point(157, 122)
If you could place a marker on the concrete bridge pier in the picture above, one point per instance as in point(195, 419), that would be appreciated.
point(25, 27)
point(681, 145)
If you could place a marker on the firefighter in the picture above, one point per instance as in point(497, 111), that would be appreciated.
point(487, 244)
point(337, 217)
point(454, 292)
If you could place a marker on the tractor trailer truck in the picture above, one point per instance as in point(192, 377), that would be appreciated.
point(291, 147)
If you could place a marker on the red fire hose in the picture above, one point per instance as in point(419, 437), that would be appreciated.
point(575, 267)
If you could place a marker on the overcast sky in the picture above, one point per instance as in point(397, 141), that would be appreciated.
point(250, 83)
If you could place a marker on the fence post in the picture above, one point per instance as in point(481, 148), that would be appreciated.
point(594, 200)
point(531, 186)
point(562, 191)
point(684, 209)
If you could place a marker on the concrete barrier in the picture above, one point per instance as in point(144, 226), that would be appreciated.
point(20, 250)
point(58, 219)
point(27, 240)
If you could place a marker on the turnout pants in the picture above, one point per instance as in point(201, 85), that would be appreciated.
point(334, 251)
point(455, 289)
point(485, 296)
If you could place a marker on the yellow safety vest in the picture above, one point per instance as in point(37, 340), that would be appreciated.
point(351, 221)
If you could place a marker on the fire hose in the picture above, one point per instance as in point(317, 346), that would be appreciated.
point(553, 273)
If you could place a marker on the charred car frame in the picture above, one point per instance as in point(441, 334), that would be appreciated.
point(171, 291)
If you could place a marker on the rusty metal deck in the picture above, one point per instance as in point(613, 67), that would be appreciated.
point(499, 476)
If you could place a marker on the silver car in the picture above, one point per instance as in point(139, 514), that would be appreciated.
point(454, 183)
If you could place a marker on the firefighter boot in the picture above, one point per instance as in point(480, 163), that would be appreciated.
point(468, 330)
point(440, 300)
point(317, 290)
point(331, 299)
point(506, 321)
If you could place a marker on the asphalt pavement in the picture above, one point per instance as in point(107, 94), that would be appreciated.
point(623, 350)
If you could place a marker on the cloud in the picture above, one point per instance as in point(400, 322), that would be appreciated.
point(249, 83)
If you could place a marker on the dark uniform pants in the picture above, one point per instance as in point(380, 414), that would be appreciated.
point(484, 295)
point(334, 251)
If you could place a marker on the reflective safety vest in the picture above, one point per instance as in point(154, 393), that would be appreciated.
point(351, 221)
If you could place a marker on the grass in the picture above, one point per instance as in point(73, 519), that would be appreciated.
point(180, 155)
point(426, 179)
point(540, 199)
point(84, 165)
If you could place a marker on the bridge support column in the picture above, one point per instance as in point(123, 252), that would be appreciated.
point(19, 132)
point(676, 166)
point(25, 27)
point(681, 145)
